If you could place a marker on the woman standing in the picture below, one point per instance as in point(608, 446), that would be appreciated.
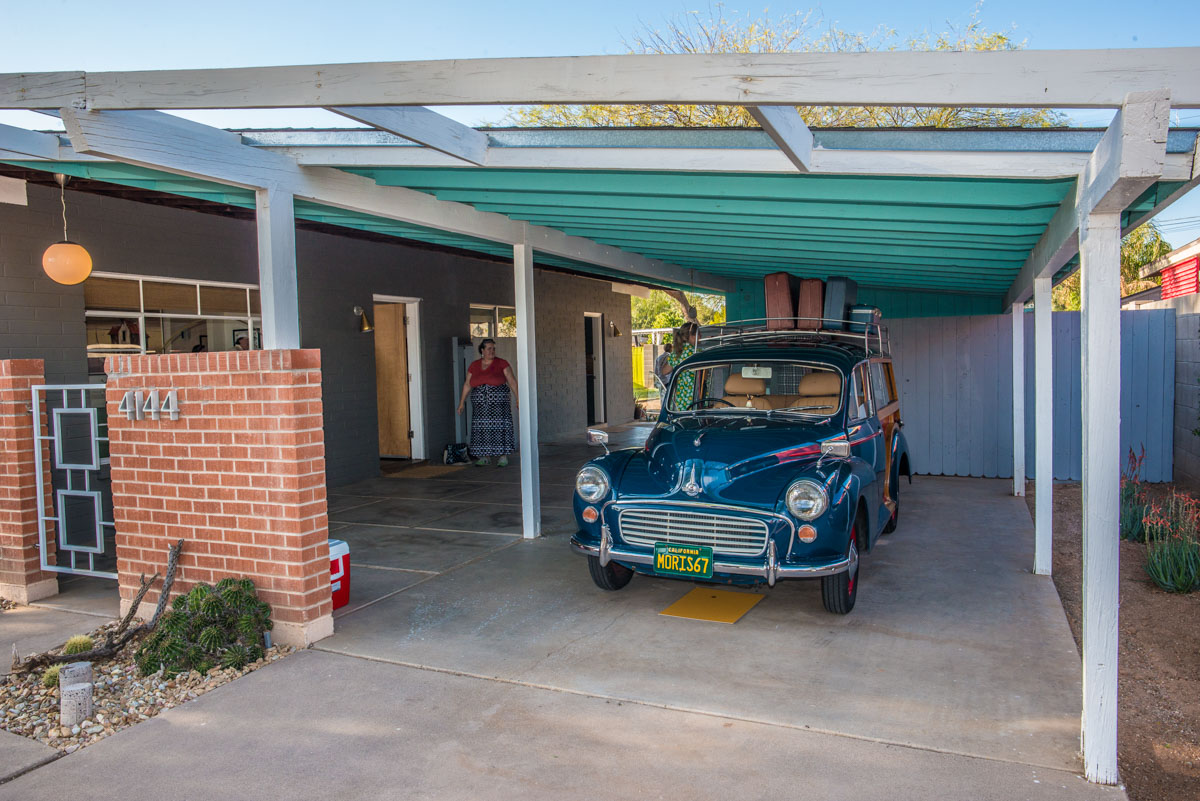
point(489, 382)
point(685, 346)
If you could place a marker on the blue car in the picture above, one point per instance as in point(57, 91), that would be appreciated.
point(777, 455)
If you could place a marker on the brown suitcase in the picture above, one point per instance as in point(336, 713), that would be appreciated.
point(780, 290)
point(810, 303)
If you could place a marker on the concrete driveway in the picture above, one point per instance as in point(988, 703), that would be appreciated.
point(474, 664)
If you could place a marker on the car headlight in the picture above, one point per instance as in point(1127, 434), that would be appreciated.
point(807, 500)
point(591, 484)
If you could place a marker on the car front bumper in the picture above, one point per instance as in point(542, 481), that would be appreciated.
point(770, 569)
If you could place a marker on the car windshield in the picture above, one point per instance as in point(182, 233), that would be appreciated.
point(765, 386)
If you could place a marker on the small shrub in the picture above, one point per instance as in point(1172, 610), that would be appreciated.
point(208, 627)
point(1135, 500)
point(79, 644)
point(1172, 533)
point(50, 677)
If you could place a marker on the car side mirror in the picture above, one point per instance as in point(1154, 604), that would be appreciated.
point(595, 437)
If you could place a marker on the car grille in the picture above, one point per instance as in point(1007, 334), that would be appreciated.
point(725, 534)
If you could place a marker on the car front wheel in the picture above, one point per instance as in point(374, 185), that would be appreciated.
point(839, 591)
point(608, 577)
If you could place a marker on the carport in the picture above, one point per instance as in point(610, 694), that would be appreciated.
point(980, 221)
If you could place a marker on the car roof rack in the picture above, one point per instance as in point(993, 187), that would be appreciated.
point(871, 337)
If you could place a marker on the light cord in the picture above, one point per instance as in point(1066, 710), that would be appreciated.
point(62, 192)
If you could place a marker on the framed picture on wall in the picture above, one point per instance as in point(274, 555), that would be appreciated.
point(239, 333)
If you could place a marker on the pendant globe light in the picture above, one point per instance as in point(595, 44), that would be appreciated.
point(66, 262)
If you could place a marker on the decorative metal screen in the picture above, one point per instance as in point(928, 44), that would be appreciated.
point(79, 520)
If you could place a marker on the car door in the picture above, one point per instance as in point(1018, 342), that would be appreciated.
point(887, 413)
point(865, 436)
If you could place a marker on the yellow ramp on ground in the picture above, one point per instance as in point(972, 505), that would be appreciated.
point(719, 606)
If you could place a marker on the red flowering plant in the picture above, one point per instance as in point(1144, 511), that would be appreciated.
point(1135, 499)
point(1172, 532)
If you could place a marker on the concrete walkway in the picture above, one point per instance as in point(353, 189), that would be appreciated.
point(473, 664)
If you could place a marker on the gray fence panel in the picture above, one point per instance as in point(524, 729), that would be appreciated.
point(954, 376)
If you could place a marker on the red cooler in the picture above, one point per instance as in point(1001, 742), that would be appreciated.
point(339, 572)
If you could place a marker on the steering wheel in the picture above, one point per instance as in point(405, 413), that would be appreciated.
point(694, 404)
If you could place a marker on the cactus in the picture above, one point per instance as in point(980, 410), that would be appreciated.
point(209, 626)
point(79, 644)
point(50, 677)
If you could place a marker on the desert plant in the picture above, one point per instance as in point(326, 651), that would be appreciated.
point(208, 627)
point(1135, 500)
point(50, 677)
point(1172, 533)
point(79, 644)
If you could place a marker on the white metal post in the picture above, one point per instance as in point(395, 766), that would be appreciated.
point(531, 498)
point(1043, 385)
point(277, 269)
point(1100, 253)
point(1018, 398)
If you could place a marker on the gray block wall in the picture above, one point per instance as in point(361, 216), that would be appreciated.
point(1187, 401)
point(41, 319)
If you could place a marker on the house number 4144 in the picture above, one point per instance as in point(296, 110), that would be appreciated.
point(138, 405)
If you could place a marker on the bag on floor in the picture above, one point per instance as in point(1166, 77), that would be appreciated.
point(455, 453)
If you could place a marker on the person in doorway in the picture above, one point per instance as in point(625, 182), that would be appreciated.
point(685, 346)
point(489, 384)
point(662, 365)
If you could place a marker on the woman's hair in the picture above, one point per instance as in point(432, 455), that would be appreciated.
point(484, 344)
point(687, 331)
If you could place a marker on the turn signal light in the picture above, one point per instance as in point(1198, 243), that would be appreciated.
point(806, 533)
point(590, 515)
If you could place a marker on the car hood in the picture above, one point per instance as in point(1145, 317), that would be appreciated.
point(745, 458)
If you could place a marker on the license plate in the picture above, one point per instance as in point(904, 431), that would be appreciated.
point(693, 561)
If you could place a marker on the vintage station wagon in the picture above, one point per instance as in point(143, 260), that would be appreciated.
point(777, 455)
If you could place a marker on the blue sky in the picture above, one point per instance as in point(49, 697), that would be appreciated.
point(75, 35)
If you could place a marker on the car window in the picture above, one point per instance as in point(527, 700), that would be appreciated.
point(768, 385)
point(880, 384)
point(860, 402)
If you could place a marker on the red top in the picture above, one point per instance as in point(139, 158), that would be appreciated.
point(492, 375)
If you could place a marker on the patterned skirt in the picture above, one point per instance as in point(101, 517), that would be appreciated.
point(491, 421)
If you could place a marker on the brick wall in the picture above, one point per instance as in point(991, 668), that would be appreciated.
point(21, 576)
point(240, 476)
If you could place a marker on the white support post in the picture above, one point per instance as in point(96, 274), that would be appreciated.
point(277, 281)
point(1100, 253)
point(1043, 383)
point(531, 497)
point(1018, 398)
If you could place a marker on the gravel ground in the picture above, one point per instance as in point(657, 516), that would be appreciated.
point(121, 697)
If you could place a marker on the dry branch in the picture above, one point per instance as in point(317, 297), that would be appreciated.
point(118, 638)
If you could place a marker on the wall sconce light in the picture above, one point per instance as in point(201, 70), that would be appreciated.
point(364, 322)
point(66, 262)
point(616, 332)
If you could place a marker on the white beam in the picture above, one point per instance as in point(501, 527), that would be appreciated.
point(1017, 78)
point(424, 127)
point(788, 131)
point(1018, 398)
point(278, 285)
point(1043, 383)
point(531, 497)
point(922, 163)
point(1100, 241)
point(29, 143)
point(164, 142)
point(1129, 158)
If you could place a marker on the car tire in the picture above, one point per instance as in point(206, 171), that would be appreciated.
point(608, 577)
point(839, 591)
point(895, 519)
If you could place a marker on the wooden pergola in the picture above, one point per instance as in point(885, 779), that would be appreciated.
point(1089, 199)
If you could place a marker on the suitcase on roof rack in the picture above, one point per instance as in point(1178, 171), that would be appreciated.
point(840, 294)
point(780, 291)
point(862, 316)
point(810, 304)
